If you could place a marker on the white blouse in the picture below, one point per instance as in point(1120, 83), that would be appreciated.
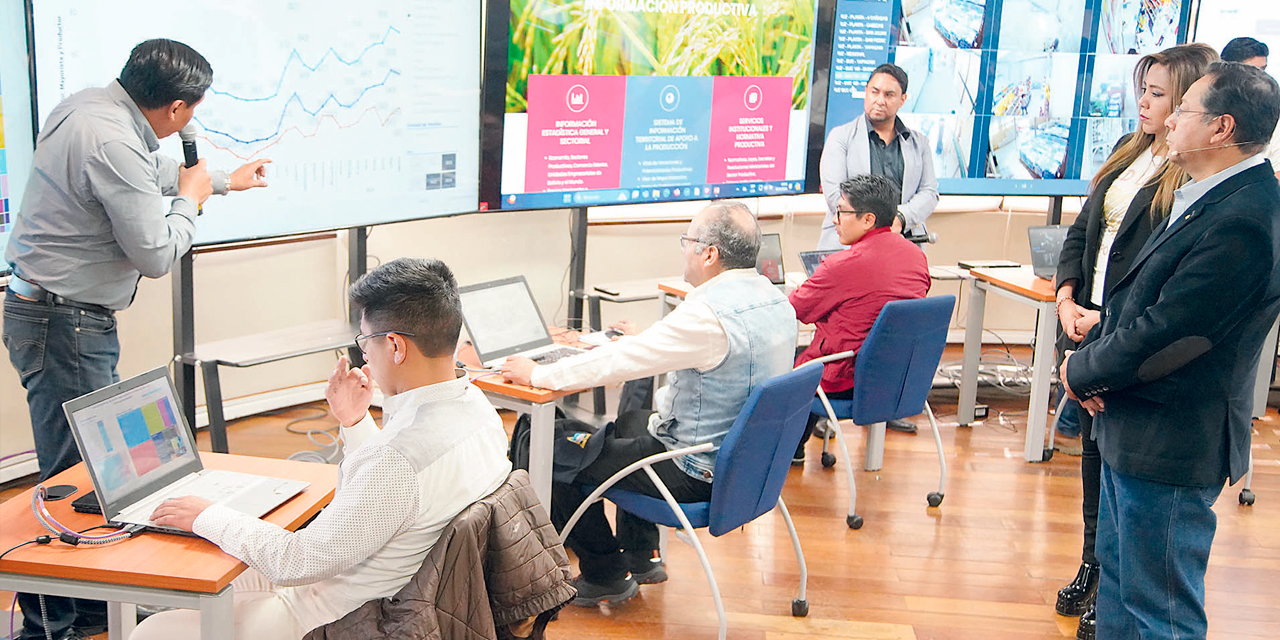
point(1115, 204)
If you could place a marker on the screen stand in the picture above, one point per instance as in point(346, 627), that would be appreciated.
point(577, 266)
point(184, 337)
point(1054, 216)
point(357, 265)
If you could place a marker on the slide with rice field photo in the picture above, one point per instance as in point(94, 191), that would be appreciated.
point(620, 101)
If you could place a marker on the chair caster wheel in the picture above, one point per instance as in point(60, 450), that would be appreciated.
point(828, 459)
point(1247, 497)
point(935, 499)
point(1047, 455)
point(799, 608)
point(854, 521)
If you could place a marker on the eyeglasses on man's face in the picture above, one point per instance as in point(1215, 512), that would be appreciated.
point(1178, 111)
point(854, 212)
point(685, 240)
point(362, 340)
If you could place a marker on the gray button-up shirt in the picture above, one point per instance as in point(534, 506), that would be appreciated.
point(93, 219)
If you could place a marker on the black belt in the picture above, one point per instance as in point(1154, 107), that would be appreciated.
point(37, 293)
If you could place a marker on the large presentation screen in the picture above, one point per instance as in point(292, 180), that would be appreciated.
point(16, 142)
point(1218, 22)
point(1014, 96)
point(623, 101)
point(368, 110)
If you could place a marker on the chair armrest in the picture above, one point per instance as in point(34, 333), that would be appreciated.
point(644, 463)
point(831, 358)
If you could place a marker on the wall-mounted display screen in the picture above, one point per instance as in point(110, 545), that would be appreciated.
point(368, 110)
point(1014, 96)
point(623, 101)
point(16, 142)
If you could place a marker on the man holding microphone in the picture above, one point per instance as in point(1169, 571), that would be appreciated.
point(92, 223)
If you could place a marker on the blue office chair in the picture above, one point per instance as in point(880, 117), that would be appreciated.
point(750, 468)
point(891, 379)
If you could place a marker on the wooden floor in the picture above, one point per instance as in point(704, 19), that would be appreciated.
point(985, 564)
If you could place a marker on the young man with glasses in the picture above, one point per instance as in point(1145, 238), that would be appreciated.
point(847, 291)
point(733, 331)
point(1167, 372)
point(441, 448)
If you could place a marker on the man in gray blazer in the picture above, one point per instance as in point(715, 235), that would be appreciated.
point(878, 142)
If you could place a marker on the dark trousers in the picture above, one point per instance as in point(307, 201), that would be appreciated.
point(60, 353)
point(816, 418)
point(1091, 480)
point(1153, 545)
point(602, 555)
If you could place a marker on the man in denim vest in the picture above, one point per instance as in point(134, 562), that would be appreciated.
point(734, 331)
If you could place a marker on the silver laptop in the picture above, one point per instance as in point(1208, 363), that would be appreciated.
point(1046, 246)
point(139, 452)
point(769, 259)
point(811, 259)
point(503, 320)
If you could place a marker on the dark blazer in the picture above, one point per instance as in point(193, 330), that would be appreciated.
point(1177, 349)
point(1080, 249)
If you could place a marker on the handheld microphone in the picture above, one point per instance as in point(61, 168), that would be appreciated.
point(188, 136)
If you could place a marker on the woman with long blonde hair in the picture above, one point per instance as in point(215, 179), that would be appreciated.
point(1130, 195)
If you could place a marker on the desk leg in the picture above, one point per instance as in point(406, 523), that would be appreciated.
point(213, 404)
point(873, 458)
point(542, 431)
point(1041, 374)
point(122, 617)
point(972, 353)
point(217, 616)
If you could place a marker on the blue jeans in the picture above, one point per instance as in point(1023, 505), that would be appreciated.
point(1153, 545)
point(60, 353)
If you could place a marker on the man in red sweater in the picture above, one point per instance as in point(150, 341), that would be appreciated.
point(847, 291)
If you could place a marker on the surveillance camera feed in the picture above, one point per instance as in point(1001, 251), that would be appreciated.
point(1012, 96)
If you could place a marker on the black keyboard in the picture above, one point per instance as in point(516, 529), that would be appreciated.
point(547, 357)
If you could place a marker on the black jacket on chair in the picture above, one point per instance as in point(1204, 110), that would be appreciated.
point(1177, 349)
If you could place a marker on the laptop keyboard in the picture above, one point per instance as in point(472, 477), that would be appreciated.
point(547, 357)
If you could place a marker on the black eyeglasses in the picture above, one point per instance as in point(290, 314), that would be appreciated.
point(362, 340)
point(855, 212)
point(685, 240)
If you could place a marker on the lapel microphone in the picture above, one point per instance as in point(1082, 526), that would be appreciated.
point(1174, 153)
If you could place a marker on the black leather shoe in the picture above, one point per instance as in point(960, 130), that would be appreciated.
point(1075, 598)
point(903, 426)
point(1088, 624)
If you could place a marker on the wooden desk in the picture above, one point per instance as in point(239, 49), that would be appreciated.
point(1020, 285)
point(153, 568)
point(539, 403)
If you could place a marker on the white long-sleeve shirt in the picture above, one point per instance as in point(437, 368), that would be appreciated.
point(690, 337)
point(442, 447)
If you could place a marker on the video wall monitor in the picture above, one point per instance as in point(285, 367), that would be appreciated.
point(1219, 21)
point(16, 140)
point(369, 111)
point(1014, 96)
point(625, 101)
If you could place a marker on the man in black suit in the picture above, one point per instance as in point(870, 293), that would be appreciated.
point(1168, 371)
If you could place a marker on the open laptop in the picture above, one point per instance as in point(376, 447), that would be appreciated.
point(503, 320)
point(811, 259)
point(769, 259)
point(1046, 246)
point(139, 453)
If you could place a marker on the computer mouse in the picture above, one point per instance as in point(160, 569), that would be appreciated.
point(612, 333)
